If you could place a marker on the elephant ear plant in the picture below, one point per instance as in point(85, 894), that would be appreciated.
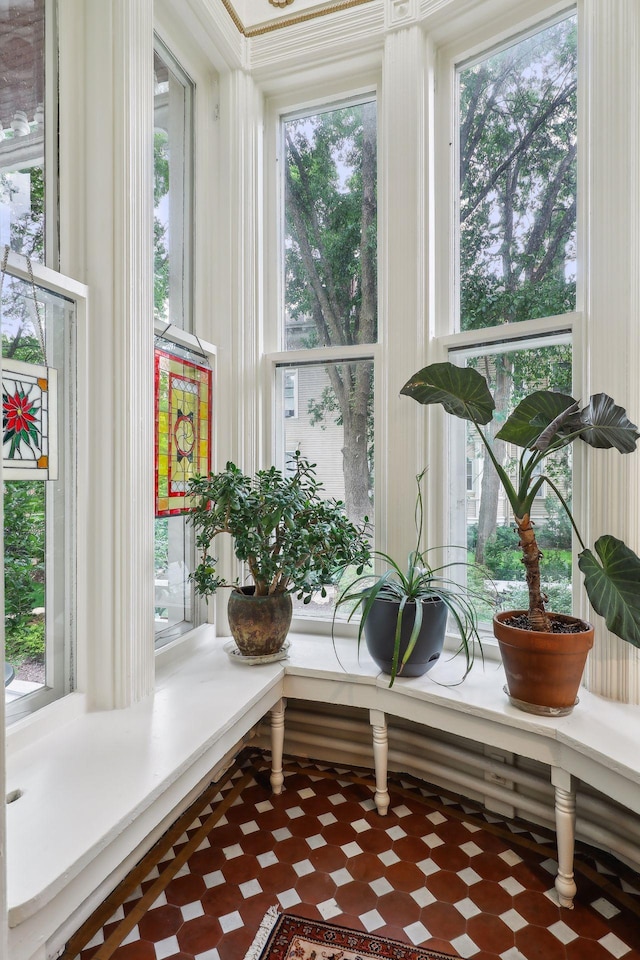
point(541, 424)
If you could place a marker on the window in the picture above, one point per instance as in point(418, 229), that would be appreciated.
point(23, 107)
point(517, 197)
point(329, 310)
point(39, 323)
point(172, 167)
point(173, 280)
point(516, 292)
point(290, 393)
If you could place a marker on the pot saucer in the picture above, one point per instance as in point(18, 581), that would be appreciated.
point(538, 710)
point(235, 656)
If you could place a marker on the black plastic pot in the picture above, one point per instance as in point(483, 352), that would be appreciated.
point(380, 631)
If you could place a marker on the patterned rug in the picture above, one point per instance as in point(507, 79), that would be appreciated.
point(286, 937)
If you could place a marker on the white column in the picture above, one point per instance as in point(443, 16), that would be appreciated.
point(237, 332)
point(378, 722)
point(277, 745)
point(403, 252)
point(106, 85)
point(610, 174)
point(565, 809)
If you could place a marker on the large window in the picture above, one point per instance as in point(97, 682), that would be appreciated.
point(516, 292)
point(324, 375)
point(39, 400)
point(173, 281)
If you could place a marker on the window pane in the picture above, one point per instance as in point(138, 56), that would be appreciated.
point(333, 429)
point(39, 520)
point(517, 143)
point(330, 228)
point(22, 55)
point(173, 591)
point(481, 514)
point(172, 231)
point(172, 156)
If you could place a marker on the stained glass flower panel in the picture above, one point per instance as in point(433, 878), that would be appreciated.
point(29, 442)
point(183, 400)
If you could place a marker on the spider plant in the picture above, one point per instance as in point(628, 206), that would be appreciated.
point(410, 588)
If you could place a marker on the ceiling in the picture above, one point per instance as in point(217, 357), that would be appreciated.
point(254, 17)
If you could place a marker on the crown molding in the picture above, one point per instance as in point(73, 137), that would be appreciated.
point(290, 19)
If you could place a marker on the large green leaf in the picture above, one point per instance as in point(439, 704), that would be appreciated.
point(608, 425)
point(533, 415)
point(613, 586)
point(462, 391)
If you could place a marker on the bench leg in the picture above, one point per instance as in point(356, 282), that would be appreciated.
point(277, 745)
point(565, 806)
point(378, 723)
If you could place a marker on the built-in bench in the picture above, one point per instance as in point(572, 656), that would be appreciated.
point(97, 790)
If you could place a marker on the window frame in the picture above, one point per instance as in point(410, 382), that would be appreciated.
point(64, 649)
point(364, 88)
point(449, 341)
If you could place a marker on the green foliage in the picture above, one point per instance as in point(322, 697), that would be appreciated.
point(160, 237)
point(25, 642)
point(518, 119)
point(24, 541)
point(542, 424)
point(420, 581)
point(290, 538)
point(331, 268)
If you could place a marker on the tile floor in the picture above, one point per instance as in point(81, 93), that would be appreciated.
point(435, 871)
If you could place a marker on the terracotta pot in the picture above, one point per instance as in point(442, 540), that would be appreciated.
point(543, 670)
point(380, 631)
point(259, 625)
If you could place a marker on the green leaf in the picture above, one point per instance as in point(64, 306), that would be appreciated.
point(613, 586)
point(608, 425)
point(533, 415)
point(462, 391)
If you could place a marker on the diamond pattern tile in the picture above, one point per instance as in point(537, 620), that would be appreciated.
point(435, 871)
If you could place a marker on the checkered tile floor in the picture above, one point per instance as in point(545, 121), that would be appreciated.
point(435, 871)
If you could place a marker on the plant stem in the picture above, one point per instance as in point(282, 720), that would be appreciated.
point(538, 617)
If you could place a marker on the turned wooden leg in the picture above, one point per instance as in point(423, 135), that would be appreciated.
point(565, 807)
point(277, 745)
point(378, 723)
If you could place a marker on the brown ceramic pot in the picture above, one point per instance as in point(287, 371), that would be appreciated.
point(543, 670)
point(259, 625)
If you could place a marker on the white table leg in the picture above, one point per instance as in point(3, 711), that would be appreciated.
point(277, 745)
point(565, 806)
point(378, 723)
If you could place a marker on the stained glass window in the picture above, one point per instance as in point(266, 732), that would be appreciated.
point(183, 404)
point(28, 420)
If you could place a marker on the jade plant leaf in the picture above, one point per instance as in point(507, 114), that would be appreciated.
point(607, 425)
point(613, 586)
point(534, 414)
point(462, 391)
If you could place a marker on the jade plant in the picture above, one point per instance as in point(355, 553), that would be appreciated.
point(542, 424)
point(291, 539)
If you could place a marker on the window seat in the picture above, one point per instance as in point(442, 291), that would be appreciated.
point(97, 790)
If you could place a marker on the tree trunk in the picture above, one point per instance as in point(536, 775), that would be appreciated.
point(355, 455)
point(490, 490)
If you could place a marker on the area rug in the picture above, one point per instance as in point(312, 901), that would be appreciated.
point(286, 937)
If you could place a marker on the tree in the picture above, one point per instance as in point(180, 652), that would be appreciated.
point(331, 278)
point(517, 202)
